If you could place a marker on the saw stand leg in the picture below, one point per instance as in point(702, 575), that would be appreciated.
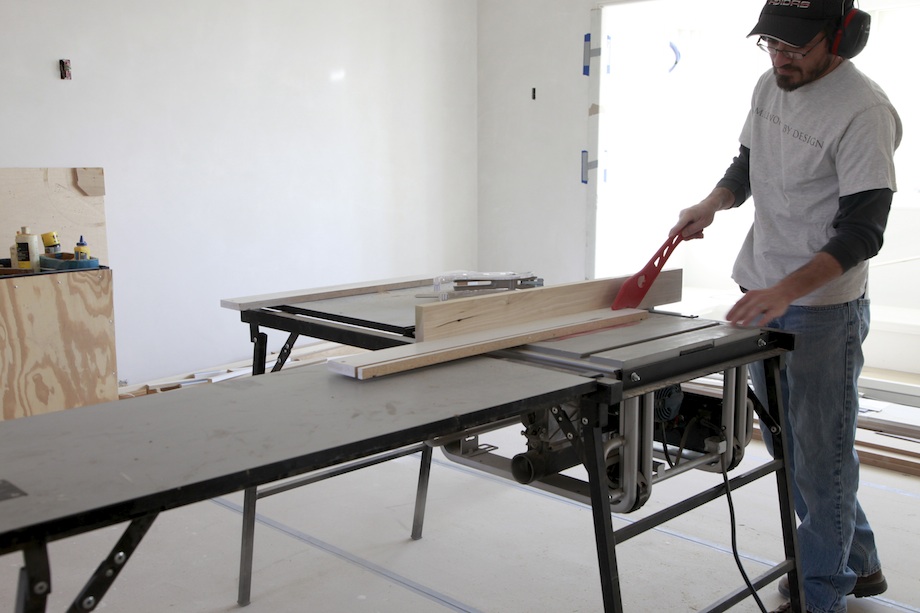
point(775, 423)
point(595, 411)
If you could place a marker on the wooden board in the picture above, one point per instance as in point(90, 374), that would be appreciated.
point(906, 446)
point(310, 295)
point(68, 201)
point(464, 315)
point(58, 348)
point(417, 355)
point(882, 452)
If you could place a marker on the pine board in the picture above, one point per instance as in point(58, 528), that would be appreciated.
point(427, 353)
point(465, 315)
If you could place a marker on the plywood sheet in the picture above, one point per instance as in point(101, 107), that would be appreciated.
point(493, 311)
point(417, 355)
point(68, 201)
point(57, 342)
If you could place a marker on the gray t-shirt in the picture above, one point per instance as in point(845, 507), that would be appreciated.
point(833, 137)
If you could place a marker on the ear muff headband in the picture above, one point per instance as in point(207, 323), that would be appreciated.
point(853, 34)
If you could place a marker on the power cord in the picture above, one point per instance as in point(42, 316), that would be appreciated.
point(734, 533)
point(664, 444)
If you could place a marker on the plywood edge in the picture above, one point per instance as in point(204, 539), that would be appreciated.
point(427, 353)
point(493, 311)
point(91, 181)
point(246, 303)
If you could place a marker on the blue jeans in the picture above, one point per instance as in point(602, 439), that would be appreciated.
point(819, 388)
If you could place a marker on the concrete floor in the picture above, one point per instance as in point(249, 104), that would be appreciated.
point(343, 545)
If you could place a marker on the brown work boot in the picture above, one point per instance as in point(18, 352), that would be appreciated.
point(870, 585)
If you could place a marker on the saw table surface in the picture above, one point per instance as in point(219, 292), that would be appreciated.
point(70, 472)
point(658, 338)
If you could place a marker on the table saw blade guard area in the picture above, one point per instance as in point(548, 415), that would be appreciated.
point(664, 425)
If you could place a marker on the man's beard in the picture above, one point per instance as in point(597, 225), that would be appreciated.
point(787, 82)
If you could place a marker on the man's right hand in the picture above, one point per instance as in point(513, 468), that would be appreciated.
point(691, 221)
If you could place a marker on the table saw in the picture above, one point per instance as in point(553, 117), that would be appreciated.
point(651, 424)
point(588, 399)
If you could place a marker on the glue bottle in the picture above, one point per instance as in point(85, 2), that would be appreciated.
point(14, 258)
point(28, 248)
point(81, 251)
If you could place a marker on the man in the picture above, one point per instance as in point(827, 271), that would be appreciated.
point(817, 156)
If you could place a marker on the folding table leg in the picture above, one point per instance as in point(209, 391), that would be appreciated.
point(246, 548)
point(259, 349)
point(34, 580)
point(285, 352)
point(108, 570)
point(421, 495)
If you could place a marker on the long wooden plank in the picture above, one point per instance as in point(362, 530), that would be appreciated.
point(417, 355)
point(888, 460)
point(465, 315)
point(333, 291)
point(907, 446)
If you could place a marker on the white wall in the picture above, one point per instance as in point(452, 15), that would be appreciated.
point(531, 200)
point(254, 147)
point(249, 147)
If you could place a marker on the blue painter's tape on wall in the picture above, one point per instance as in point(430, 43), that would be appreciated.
point(676, 56)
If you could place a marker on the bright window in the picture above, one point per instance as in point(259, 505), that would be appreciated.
point(676, 81)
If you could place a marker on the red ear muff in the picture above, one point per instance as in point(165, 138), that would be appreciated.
point(853, 34)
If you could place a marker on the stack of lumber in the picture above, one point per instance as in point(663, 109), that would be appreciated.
point(891, 451)
point(883, 450)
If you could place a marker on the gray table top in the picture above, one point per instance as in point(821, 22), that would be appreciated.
point(90, 467)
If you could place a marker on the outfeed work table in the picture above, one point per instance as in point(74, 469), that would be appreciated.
point(71, 472)
point(629, 364)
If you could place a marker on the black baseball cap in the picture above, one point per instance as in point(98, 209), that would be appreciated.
point(796, 22)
